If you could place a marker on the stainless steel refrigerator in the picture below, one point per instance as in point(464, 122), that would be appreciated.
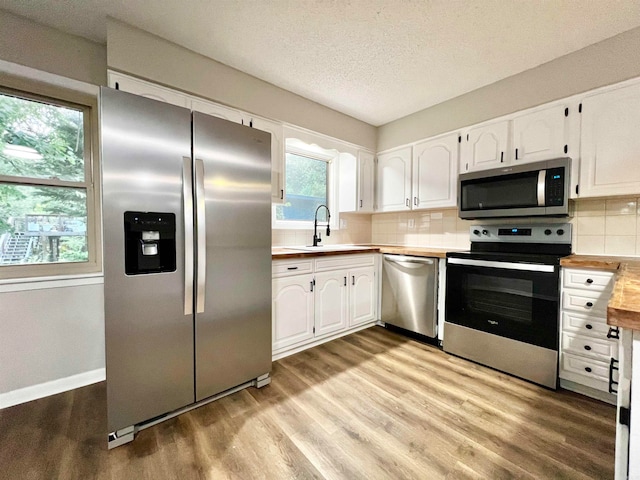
point(187, 259)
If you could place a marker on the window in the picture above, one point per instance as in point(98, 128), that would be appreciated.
point(307, 185)
point(47, 199)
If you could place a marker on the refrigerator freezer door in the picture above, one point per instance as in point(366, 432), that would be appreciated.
point(149, 339)
point(233, 332)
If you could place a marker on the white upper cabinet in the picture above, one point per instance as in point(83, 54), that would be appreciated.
point(394, 180)
point(366, 175)
point(217, 110)
point(435, 172)
point(149, 90)
point(484, 147)
point(540, 135)
point(610, 143)
point(277, 155)
point(355, 184)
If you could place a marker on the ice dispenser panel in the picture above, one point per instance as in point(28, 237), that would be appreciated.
point(150, 242)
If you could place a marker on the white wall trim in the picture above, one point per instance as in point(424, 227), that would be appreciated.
point(60, 385)
point(46, 77)
point(19, 285)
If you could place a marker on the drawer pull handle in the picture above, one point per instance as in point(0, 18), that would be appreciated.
point(292, 268)
point(589, 280)
point(614, 332)
point(588, 326)
point(587, 369)
point(587, 347)
point(589, 304)
point(612, 367)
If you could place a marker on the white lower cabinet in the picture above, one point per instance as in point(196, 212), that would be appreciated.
point(587, 349)
point(340, 295)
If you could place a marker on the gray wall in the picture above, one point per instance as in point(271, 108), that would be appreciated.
point(610, 61)
point(27, 43)
point(139, 53)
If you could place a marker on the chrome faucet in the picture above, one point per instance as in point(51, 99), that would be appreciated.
point(316, 237)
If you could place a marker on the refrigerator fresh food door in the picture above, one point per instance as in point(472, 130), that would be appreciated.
point(146, 150)
point(232, 165)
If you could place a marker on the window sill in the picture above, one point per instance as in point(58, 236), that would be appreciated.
point(54, 281)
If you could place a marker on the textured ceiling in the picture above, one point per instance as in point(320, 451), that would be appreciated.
point(376, 60)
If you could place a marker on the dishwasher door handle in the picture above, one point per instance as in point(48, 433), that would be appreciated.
point(402, 259)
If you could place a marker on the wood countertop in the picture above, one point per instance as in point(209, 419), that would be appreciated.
point(280, 253)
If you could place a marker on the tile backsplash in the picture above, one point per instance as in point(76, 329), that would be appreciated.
point(356, 231)
point(600, 227)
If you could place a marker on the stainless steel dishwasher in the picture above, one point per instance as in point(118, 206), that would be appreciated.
point(409, 290)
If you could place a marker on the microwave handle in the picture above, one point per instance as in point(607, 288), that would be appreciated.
point(542, 187)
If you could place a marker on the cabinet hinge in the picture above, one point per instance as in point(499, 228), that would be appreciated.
point(577, 189)
point(459, 138)
point(566, 148)
point(314, 329)
point(580, 108)
point(467, 137)
point(117, 85)
point(251, 123)
point(566, 112)
point(625, 416)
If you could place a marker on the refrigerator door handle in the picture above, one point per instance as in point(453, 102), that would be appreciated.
point(187, 199)
point(201, 229)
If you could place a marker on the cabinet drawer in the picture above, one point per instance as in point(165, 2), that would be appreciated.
point(589, 302)
point(584, 324)
point(284, 268)
point(338, 262)
point(588, 279)
point(594, 348)
point(586, 367)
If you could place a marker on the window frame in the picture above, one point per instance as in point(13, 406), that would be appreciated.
point(331, 157)
point(88, 104)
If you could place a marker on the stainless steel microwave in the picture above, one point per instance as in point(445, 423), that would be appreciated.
point(533, 189)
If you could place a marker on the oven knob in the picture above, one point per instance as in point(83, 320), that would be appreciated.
point(560, 231)
point(547, 232)
point(476, 232)
point(485, 232)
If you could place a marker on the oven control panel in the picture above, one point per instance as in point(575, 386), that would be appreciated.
point(537, 233)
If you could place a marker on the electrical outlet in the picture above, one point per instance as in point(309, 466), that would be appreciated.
point(412, 223)
point(343, 223)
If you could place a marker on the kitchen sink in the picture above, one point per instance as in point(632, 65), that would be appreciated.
point(327, 248)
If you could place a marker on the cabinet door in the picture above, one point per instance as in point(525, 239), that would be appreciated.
point(610, 143)
point(539, 135)
point(217, 110)
point(366, 176)
point(149, 90)
point(394, 180)
point(347, 183)
point(277, 155)
point(331, 295)
point(362, 295)
point(485, 147)
point(292, 310)
point(435, 169)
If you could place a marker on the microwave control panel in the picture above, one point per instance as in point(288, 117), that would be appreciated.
point(554, 187)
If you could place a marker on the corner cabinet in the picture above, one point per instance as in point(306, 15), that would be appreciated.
point(315, 300)
point(610, 143)
point(393, 189)
point(435, 172)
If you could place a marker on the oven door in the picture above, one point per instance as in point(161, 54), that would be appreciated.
point(512, 300)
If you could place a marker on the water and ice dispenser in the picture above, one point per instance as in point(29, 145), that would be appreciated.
point(150, 242)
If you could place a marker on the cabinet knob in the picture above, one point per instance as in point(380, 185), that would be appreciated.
point(589, 280)
point(588, 326)
point(587, 347)
point(589, 304)
point(587, 369)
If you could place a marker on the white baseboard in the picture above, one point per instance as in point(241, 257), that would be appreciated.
point(60, 385)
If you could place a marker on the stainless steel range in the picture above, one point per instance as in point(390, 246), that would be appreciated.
point(503, 299)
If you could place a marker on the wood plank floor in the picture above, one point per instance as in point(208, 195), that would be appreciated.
point(372, 405)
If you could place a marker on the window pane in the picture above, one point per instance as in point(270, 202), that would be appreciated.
point(306, 189)
point(42, 224)
point(40, 140)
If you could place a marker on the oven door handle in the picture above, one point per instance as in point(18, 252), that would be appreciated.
point(527, 267)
